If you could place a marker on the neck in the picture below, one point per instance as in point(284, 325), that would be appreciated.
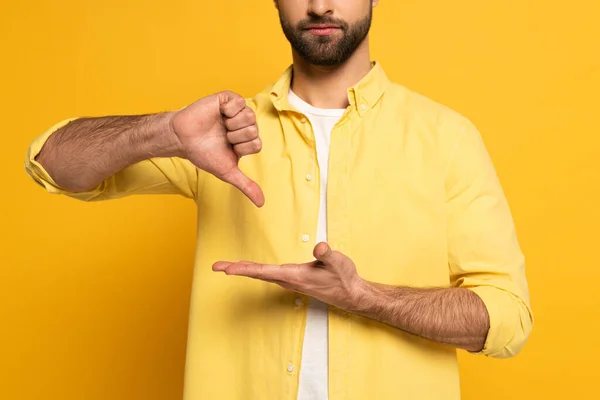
point(326, 87)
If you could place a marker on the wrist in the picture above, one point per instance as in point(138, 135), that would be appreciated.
point(364, 292)
point(159, 138)
point(172, 144)
point(151, 137)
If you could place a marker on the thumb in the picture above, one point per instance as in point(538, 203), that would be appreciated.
point(246, 185)
point(323, 253)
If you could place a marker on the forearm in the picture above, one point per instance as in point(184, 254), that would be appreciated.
point(453, 316)
point(85, 152)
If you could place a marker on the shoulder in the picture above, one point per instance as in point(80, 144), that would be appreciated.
point(419, 107)
point(427, 117)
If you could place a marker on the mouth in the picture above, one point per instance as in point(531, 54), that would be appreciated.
point(323, 29)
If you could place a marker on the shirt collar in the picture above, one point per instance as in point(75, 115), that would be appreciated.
point(362, 96)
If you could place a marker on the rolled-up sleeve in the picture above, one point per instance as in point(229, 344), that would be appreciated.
point(169, 175)
point(483, 250)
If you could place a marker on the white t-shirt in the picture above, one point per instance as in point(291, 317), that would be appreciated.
point(313, 368)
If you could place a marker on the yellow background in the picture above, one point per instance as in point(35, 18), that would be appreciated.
point(94, 297)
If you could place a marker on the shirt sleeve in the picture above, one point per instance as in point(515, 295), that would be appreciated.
point(484, 254)
point(169, 175)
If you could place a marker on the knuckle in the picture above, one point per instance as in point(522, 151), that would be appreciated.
point(250, 116)
point(238, 150)
point(229, 124)
point(231, 94)
point(230, 137)
point(252, 132)
point(257, 145)
point(234, 100)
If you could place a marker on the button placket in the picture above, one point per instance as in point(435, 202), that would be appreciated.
point(338, 236)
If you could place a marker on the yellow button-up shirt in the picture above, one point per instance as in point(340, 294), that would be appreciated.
point(412, 198)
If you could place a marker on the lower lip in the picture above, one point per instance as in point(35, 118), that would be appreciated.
point(323, 31)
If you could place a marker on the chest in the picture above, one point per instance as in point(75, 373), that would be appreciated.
point(384, 195)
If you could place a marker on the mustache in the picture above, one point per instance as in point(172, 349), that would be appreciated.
point(322, 20)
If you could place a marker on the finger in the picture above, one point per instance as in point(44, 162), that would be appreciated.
point(246, 185)
point(221, 265)
point(244, 149)
point(231, 104)
point(242, 135)
point(259, 271)
point(242, 119)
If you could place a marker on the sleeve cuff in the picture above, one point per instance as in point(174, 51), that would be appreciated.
point(504, 319)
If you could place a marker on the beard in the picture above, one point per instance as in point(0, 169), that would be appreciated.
point(330, 50)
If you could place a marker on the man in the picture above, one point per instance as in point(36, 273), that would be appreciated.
point(384, 243)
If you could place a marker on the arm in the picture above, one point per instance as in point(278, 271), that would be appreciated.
point(484, 255)
point(62, 158)
point(487, 310)
point(85, 152)
point(451, 316)
point(110, 157)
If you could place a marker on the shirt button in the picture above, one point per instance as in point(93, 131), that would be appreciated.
point(305, 238)
point(309, 177)
point(298, 302)
point(290, 368)
point(363, 107)
point(303, 119)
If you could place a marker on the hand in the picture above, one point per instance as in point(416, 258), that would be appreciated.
point(331, 278)
point(214, 133)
